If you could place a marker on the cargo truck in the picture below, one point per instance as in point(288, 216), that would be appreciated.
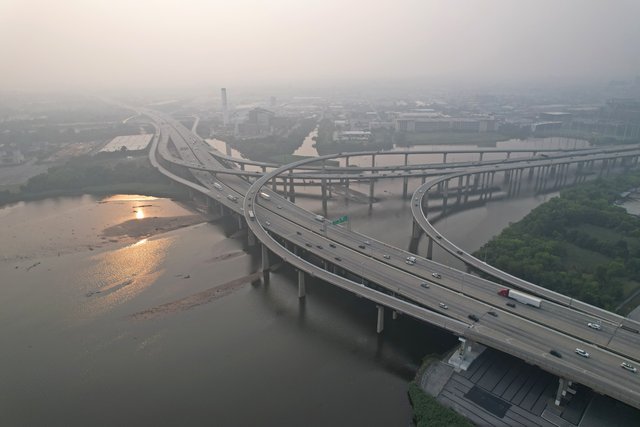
point(520, 297)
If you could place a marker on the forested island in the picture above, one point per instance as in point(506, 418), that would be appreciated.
point(101, 174)
point(580, 244)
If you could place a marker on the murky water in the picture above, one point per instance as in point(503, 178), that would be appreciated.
point(161, 331)
point(307, 148)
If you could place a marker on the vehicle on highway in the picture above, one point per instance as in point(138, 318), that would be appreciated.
point(331, 245)
point(629, 367)
point(338, 258)
point(217, 186)
point(385, 256)
point(298, 233)
point(319, 246)
point(582, 353)
point(279, 207)
point(473, 317)
point(555, 353)
point(443, 306)
point(595, 326)
point(251, 215)
point(319, 218)
point(511, 304)
point(438, 236)
point(492, 313)
point(424, 285)
point(366, 242)
point(308, 245)
point(232, 198)
point(459, 252)
point(267, 223)
point(265, 195)
point(436, 275)
point(361, 246)
point(411, 260)
point(520, 297)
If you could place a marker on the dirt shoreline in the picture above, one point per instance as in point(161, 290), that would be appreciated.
point(146, 227)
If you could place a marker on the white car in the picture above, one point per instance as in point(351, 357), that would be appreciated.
point(436, 275)
point(582, 353)
point(443, 306)
point(629, 367)
point(595, 326)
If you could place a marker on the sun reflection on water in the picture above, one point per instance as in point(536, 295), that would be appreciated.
point(139, 213)
point(120, 275)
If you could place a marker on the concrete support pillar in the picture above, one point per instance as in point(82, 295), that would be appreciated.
point(508, 155)
point(445, 196)
point(405, 187)
point(380, 322)
point(240, 222)
point(481, 155)
point(292, 189)
point(416, 230)
point(301, 286)
point(264, 169)
point(251, 239)
point(323, 183)
point(467, 189)
point(459, 193)
point(444, 158)
point(430, 248)
point(562, 391)
point(221, 209)
point(274, 186)
point(394, 315)
point(265, 263)
point(371, 191)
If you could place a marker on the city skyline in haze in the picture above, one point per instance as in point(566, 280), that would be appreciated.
point(101, 44)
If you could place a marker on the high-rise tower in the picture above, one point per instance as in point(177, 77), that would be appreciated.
point(225, 107)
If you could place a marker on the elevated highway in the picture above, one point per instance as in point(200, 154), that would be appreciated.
point(379, 272)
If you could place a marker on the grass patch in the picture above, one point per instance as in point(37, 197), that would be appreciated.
point(428, 412)
point(576, 257)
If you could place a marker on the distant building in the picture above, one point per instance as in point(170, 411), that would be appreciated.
point(546, 126)
point(225, 106)
point(554, 116)
point(429, 121)
point(352, 135)
point(259, 122)
point(128, 143)
point(10, 157)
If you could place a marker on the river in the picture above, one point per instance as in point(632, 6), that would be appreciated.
point(164, 331)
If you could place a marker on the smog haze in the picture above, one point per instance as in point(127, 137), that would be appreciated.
point(101, 44)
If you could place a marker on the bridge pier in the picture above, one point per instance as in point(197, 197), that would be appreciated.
point(324, 196)
point(292, 189)
point(467, 189)
point(405, 187)
point(430, 249)
point(444, 157)
point(301, 286)
point(265, 263)
point(251, 238)
point(564, 387)
point(481, 155)
point(468, 351)
point(459, 193)
point(416, 230)
point(371, 192)
point(240, 222)
point(445, 197)
point(380, 321)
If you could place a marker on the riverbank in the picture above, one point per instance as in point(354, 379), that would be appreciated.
point(427, 411)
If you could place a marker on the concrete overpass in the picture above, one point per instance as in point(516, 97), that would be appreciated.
point(378, 272)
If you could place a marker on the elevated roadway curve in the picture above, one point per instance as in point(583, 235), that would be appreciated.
point(521, 332)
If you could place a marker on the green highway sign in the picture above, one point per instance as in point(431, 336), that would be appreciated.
point(340, 220)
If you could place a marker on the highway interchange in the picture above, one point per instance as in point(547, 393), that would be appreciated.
point(526, 332)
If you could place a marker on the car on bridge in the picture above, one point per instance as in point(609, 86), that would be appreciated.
point(443, 306)
point(595, 326)
point(436, 275)
point(424, 285)
point(233, 198)
point(629, 367)
point(411, 260)
point(582, 353)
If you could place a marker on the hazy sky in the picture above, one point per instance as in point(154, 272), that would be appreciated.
point(79, 44)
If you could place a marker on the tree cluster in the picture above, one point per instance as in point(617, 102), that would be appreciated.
point(580, 244)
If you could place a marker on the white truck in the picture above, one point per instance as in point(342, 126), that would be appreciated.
point(521, 297)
